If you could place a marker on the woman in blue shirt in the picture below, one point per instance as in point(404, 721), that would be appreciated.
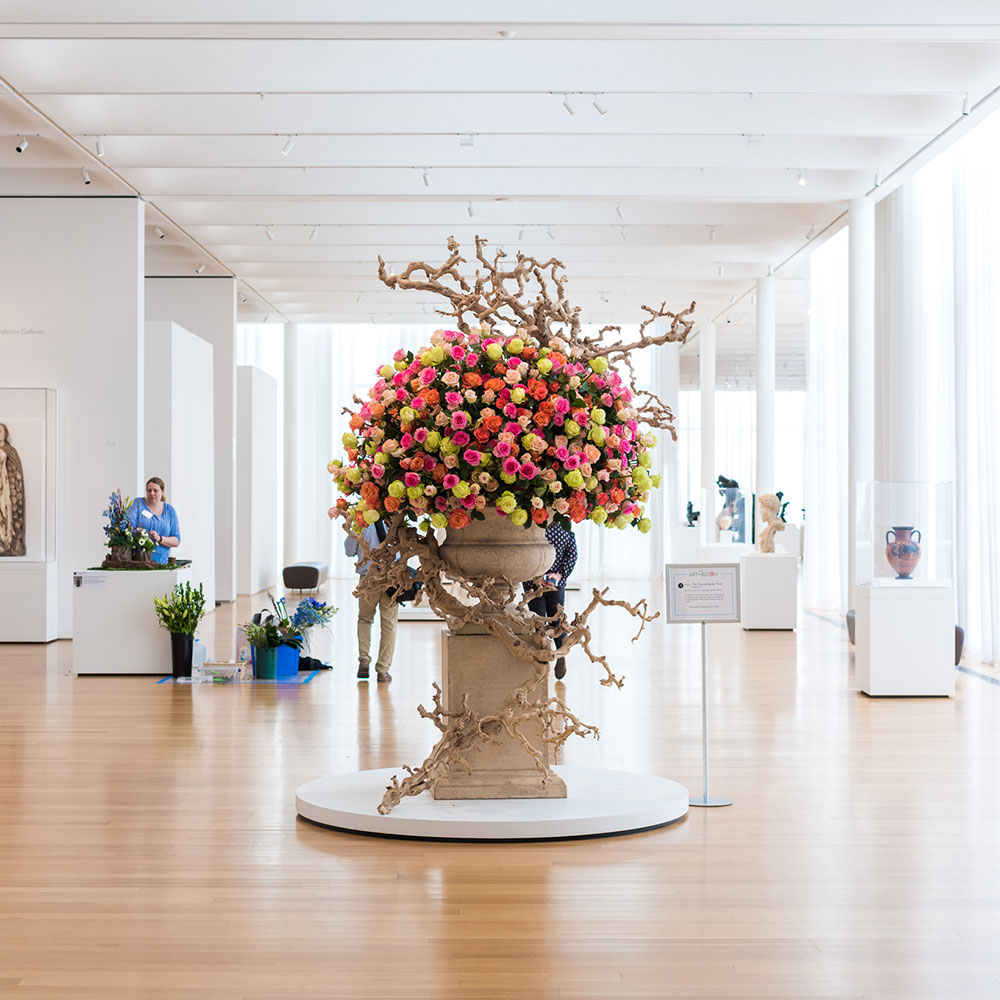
point(158, 518)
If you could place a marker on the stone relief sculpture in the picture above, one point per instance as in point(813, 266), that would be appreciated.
point(12, 541)
point(769, 506)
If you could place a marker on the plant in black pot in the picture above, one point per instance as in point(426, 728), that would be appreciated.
point(179, 613)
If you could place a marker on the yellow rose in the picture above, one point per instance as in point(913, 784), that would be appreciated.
point(506, 503)
point(386, 371)
point(396, 489)
point(598, 515)
point(439, 520)
point(519, 516)
point(371, 516)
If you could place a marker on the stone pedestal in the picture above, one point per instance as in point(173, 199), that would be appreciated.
point(476, 664)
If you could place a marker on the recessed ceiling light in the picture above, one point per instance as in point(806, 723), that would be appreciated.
point(100, 146)
point(287, 148)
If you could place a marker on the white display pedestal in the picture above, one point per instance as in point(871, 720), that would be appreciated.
point(769, 590)
point(685, 544)
point(114, 623)
point(29, 599)
point(905, 640)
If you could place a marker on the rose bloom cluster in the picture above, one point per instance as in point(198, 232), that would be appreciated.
point(484, 421)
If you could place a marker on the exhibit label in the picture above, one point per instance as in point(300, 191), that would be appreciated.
point(700, 592)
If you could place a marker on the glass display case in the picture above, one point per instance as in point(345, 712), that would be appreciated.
point(905, 535)
point(726, 516)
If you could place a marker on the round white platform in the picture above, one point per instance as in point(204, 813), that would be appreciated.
point(599, 803)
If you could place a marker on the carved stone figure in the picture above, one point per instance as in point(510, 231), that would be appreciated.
point(11, 498)
point(769, 506)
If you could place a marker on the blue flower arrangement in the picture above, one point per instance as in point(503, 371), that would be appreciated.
point(119, 531)
point(311, 612)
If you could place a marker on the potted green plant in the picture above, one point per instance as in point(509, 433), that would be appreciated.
point(266, 638)
point(179, 613)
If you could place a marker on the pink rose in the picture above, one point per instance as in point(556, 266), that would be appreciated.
point(450, 481)
point(450, 461)
point(510, 410)
point(402, 395)
point(411, 479)
point(461, 438)
point(378, 471)
point(572, 462)
point(529, 470)
point(441, 503)
point(400, 355)
point(471, 456)
point(501, 449)
point(429, 462)
point(450, 378)
point(458, 352)
point(398, 378)
point(453, 399)
point(468, 502)
point(406, 442)
point(561, 404)
point(512, 428)
point(562, 506)
point(562, 453)
point(511, 466)
point(472, 359)
point(427, 376)
point(459, 420)
point(420, 435)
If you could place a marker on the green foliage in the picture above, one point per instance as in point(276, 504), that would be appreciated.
point(180, 611)
point(270, 636)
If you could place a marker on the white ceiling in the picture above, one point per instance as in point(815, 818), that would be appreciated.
point(687, 188)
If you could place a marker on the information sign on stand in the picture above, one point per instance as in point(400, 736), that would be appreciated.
point(702, 592)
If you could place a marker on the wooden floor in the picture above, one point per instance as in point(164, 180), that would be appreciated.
point(149, 846)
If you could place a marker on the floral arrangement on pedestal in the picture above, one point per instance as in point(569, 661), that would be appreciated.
point(311, 614)
point(479, 419)
point(129, 546)
point(513, 418)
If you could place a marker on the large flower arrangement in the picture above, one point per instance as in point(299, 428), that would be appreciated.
point(479, 420)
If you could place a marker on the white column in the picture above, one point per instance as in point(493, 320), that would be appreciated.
point(669, 392)
point(765, 386)
point(290, 537)
point(706, 374)
point(861, 368)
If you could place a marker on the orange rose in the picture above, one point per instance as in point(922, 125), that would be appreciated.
point(356, 421)
point(369, 493)
point(493, 423)
point(431, 396)
point(617, 495)
point(416, 463)
point(471, 380)
point(440, 471)
point(391, 504)
point(577, 512)
point(539, 515)
point(481, 434)
point(377, 410)
point(542, 418)
point(459, 519)
point(496, 384)
point(500, 368)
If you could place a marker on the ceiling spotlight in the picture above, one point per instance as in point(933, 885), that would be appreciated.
point(199, 269)
point(507, 33)
point(268, 233)
point(711, 233)
point(624, 235)
point(552, 235)
point(618, 210)
point(471, 211)
point(599, 104)
point(877, 180)
point(811, 233)
point(243, 299)
point(427, 177)
point(86, 176)
point(100, 147)
point(466, 139)
point(267, 316)
point(604, 296)
point(287, 148)
point(770, 270)
point(965, 104)
point(722, 271)
point(754, 138)
point(159, 232)
point(22, 144)
point(801, 178)
point(313, 233)
point(520, 233)
point(568, 104)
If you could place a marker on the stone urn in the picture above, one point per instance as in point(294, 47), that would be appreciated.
point(479, 667)
point(903, 551)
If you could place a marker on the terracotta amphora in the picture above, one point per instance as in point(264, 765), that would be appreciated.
point(903, 551)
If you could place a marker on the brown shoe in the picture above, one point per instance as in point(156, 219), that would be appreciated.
point(383, 677)
point(560, 670)
point(363, 669)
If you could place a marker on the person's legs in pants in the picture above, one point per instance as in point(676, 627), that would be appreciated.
point(388, 613)
point(366, 615)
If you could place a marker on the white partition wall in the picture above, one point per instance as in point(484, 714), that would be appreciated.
point(207, 307)
point(180, 447)
point(71, 317)
point(257, 481)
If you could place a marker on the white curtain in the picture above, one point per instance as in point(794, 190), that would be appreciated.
point(824, 565)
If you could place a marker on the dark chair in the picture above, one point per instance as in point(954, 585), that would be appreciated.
point(304, 576)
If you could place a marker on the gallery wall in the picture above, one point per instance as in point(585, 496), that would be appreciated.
point(179, 440)
point(71, 319)
point(207, 308)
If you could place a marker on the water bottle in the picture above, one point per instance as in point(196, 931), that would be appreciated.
point(198, 656)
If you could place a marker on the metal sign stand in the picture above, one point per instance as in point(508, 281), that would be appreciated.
point(705, 799)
